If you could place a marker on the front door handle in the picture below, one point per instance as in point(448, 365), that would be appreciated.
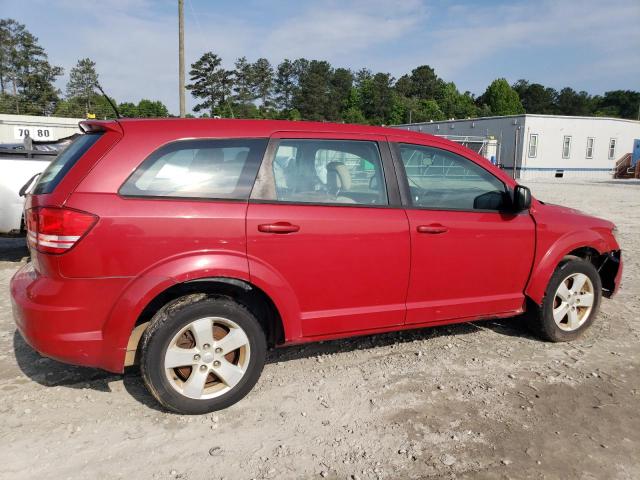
point(278, 227)
point(434, 228)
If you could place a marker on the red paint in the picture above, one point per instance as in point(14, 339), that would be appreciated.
point(331, 271)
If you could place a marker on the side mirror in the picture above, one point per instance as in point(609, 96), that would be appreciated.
point(521, 198)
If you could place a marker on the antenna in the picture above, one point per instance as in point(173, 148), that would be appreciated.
point(109, 100)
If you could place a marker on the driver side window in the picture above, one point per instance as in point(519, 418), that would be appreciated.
point(442, 180)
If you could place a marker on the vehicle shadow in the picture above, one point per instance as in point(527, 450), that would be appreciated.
point(51, 373)
point(513, 326)
point(13, 249)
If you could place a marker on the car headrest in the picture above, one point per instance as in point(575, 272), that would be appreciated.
point(338, 177)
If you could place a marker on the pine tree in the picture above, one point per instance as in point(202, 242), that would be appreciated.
point(83, 80)
point(285, 85)
point(243, 81)
point(262, 81)
point(210, 82)
point(24, 65)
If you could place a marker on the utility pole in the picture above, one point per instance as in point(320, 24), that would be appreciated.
point(181, 54)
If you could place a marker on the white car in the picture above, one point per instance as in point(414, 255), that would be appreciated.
point(18, 166)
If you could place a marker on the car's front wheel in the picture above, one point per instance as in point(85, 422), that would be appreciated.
point(201, 354)
point(571, 301)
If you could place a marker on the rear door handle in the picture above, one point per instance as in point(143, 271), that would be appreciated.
point(278, 227)
point(433, 228)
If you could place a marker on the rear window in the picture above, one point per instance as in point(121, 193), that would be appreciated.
point(211, 169)
point(57, 169)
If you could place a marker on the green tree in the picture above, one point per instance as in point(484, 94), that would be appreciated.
point(570, 102)
point(8, 47)
point(339, 92)
point(262, 81)
point(210, 83)
point(536, 98)
point(416, 111)
point(501, 99)
point(102, 109)
point(242, 88)
point(151, 109)
point(353, 115)
point(39, 93)
point(424, 83)
point(83, 80)
point(285, 84)
point(70, 107)
point(312, 97)
point(24, 65)
point(362, 76)
point(378, 98)
point(128, 110)
point(453, 104)
point(622, 103)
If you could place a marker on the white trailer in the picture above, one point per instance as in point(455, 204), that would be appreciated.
point(547, 145)
point(13, 128)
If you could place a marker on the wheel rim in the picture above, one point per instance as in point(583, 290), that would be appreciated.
point(573, 302)
point(207, 358)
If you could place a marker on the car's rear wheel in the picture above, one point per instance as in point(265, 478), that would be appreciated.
point(571, 302)
point(201, 354)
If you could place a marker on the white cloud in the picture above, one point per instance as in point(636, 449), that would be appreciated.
point(548, 39)
point(337, 30)
point(134, 42)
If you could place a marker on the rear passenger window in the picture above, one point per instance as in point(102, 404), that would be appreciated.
point(64, 162)
point(439, 179)
point(221, 169)
point(324, 171)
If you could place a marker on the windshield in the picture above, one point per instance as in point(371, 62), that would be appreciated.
point(57, 169)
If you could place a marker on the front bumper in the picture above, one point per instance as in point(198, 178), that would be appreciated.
point(62, 318)
point(611, 273)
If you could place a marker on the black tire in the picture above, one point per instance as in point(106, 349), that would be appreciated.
point(174, 317)
point(541, 320)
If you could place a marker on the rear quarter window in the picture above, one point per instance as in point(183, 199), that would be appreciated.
point(64, 162)
point(208, 169)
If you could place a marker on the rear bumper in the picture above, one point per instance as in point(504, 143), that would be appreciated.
point(62, 318)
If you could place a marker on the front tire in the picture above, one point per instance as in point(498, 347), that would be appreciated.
point(571, 302)
point(201, 354)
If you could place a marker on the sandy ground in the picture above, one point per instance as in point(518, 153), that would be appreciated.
point(482, 400)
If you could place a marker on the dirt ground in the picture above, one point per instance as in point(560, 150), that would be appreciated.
point(484, 400)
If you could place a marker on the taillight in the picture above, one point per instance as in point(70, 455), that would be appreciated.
point(56, 230)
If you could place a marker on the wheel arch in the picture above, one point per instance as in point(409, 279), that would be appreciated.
point(222, 273)
point(241, 291)
point(587, 245)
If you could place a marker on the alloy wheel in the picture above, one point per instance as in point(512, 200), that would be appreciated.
point(573, 302)
point(207, 358)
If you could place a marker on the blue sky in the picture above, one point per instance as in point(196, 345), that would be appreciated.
point(588, 45)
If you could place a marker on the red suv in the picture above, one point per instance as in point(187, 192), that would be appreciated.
point(191, 246)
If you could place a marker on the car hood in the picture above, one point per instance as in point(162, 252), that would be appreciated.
point(575, 215)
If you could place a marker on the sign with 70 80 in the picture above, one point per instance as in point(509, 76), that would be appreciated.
point(37, 133)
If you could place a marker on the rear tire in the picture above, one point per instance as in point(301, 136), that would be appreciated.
point(201, 354)
point(570, 304)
